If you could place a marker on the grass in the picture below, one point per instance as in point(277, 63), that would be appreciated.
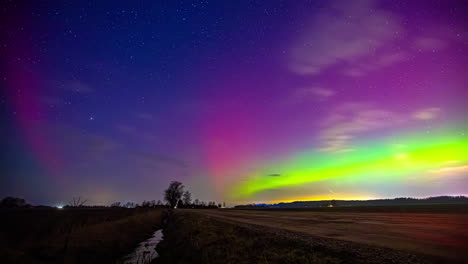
point(192, 238)
point(73, 235)
point(426, 208)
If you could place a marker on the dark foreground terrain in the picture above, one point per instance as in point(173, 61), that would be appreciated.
point(436, 234)
point(413, 235)
point(73, 235)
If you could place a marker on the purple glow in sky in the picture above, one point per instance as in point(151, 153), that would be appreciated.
point(111, 102)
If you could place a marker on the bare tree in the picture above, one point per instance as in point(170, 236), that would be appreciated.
point(129, 205)
point(187, 198)
point(9, 202)
point(116, 204)
point(173, 193)
point(77, 202)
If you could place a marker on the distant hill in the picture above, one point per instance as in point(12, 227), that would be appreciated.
point(377, 202)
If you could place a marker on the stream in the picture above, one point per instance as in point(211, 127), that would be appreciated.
point(145, 252)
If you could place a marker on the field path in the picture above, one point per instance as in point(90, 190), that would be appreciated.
point(443, 234)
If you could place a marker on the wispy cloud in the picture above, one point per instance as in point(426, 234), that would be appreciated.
point(86, 146)
point(353, 35)
point(429, 44)
point(455, 169)
point(274, 175)
point(345, 32)
point(137, 133)
point(426, 114)
point(315, 93)
point(94, 148)
point(369, 65)
point(78, 87)
point(159, 159)
point(351, 120)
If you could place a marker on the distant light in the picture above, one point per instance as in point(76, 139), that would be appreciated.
point(59, 206)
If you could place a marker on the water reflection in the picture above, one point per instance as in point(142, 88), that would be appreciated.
point(145, 252)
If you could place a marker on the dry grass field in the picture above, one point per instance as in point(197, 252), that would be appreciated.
point(442, 235)
point(73, 235)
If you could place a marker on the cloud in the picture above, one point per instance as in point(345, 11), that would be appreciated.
point(463, 168)
point(78, 87)
point(137, 133)
point(426, 114)
point(316, 93)
point(153, 158)
point(86, 146)
point(95, 147)
point(345, 32)
point(373, 64)
point(274, 175)
point(350, 120)
point(89, 147)
point(429, 44)
point(321, 92)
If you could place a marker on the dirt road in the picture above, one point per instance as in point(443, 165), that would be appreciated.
point(443, 235)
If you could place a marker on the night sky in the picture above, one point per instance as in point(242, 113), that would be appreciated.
point(242, 101)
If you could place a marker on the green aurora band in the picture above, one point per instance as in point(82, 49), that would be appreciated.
point(388, 160)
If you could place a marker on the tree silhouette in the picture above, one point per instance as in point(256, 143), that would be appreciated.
point(129, 205)
point(10, 202)
point(77, 202)
point(116, 204)
point(173, 193)
point(187, 198)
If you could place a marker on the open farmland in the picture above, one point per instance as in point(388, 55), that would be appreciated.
point(440, 236)
point(73, 235)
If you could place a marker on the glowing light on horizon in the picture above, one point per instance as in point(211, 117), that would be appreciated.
point(378, 161)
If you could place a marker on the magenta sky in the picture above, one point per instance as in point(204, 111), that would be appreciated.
point(112, 102)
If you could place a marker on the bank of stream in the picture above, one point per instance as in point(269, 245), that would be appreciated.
point(145, 252)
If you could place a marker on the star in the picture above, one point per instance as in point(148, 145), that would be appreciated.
point(91, 118)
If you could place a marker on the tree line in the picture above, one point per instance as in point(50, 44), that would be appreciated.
point(175, 196)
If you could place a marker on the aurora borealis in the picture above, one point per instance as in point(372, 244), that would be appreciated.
point(384, 161)
point(242, 101)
